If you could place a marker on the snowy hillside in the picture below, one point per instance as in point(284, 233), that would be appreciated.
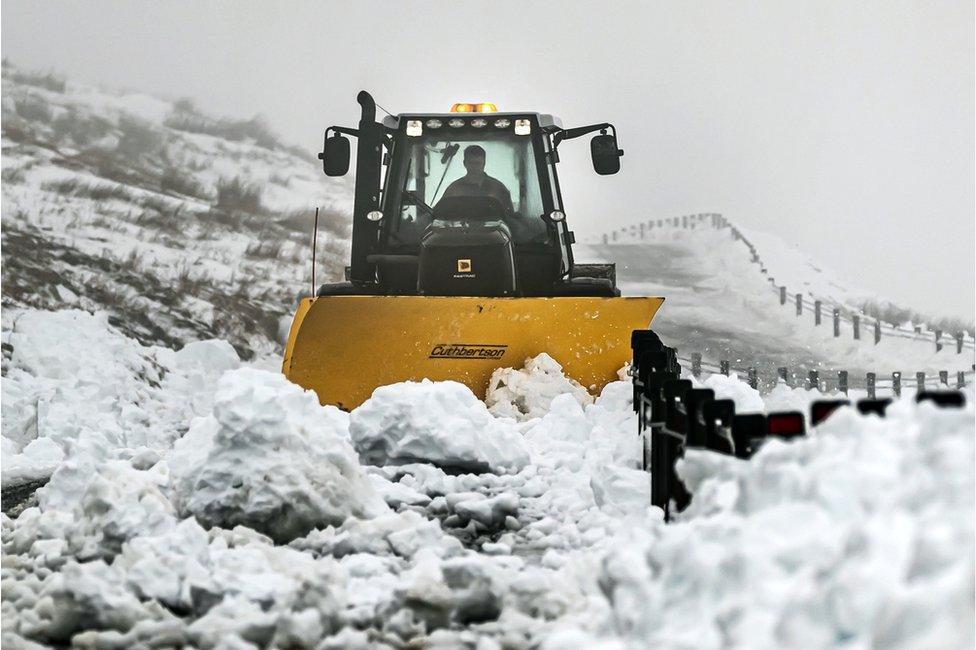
point(196, 500)
point(180, 225)
point(720, 304)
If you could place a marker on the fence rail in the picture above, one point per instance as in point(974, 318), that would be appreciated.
point(840, 380)
point(842, 317)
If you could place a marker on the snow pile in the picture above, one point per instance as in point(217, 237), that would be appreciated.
point(860, 535)
point(73, 379)
point(746, 398)
point(270, 458)
point(441, 423)
point(527, 393)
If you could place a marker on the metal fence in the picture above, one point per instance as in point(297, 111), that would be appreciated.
point(844, 319)
point(841, 381)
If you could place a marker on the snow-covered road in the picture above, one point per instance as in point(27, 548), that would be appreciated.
point(196, 500)
point(720, 305)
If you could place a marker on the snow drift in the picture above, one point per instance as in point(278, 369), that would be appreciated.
point(859, 535)
point(441, 423)
point(526, 393)
point(270, 458)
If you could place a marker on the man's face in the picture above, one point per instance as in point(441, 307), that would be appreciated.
point(475, 164)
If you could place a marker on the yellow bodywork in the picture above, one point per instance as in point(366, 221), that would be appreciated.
point(344, 347)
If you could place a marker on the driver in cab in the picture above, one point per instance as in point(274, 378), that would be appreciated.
point(476, 182)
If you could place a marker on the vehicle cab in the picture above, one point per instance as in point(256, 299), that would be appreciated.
point(467, 203)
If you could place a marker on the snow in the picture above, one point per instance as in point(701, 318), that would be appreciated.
point(746, 398)
point(249, 515)
point(441, 423)
point(73, 380)
point(527, 392)
point(197, 500)
point(818, 543)
point(720, 304)
point(271, 458)
point(108, 205)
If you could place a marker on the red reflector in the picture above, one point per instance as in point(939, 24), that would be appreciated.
point(785, 424)
point(821, 410)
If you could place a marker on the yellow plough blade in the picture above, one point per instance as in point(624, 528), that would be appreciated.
point(344, 347)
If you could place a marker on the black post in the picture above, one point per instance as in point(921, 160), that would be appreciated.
point(870, 381)
point(783, 375)
point(938, 340)
point(813, 379)
point(959, 343)
point(856, 324)
point(842, 381)
point(944, 377)
point(799, 304)
point(896, 383)
point(666, 448)
point(724, 367)
point(696, 364)
point(642, 230)
point(919, 381)
point(782, 295)
point(753, 378)
point(836, 322)
point(960, 380)
point(877, 332)
point(816, 312)
point(605, 238)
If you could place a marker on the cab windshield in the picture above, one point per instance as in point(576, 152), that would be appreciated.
point(496, 165)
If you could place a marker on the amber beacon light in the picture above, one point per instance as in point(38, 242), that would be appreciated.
point(468, 107)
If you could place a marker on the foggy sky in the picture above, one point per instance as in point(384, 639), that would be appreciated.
point(844, 127)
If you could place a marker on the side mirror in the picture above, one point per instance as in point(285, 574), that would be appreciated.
point(605, 154)
point(335, 155)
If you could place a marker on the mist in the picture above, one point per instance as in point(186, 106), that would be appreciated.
point(845, 128)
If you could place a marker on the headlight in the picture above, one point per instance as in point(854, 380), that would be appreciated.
point(414, 127)
point(557, 215)
point(523, 127)
point(375, 215)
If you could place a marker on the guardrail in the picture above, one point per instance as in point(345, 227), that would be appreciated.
point(674, 416)
point(841, 381)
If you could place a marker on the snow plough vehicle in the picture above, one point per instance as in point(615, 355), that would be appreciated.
point(462, 259)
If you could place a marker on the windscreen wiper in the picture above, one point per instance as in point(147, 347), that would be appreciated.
point(446, 157)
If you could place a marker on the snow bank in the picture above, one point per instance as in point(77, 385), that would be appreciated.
point(527, 393)
point(441, 423)
point(270, 458)
point(746, 398)
point(74, 377)
point(859, 535)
